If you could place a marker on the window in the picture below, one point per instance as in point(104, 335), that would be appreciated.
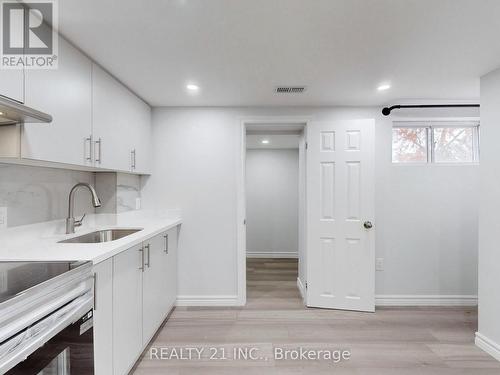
point(409, 145)
point(435, 142)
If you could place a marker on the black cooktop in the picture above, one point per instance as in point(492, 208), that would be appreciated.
point(16, 277)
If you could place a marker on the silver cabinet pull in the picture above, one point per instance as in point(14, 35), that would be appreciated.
point(95, 291)
point(166, 243)
point(89, 149)
point(148, 247)
point(98, 159)
point(132, 159)
point(142, 259)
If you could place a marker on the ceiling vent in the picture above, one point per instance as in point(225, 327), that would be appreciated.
point(290, 89)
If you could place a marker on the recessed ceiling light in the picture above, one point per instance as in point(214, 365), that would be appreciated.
point(1, 113)
point(192, 87)
point(265, 141)
point(383, 87)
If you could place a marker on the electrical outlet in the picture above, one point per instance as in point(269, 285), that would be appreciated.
point(3, 217)
point(137, 203)
point(379, 264)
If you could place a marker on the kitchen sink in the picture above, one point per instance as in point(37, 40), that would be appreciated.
point(105, 235)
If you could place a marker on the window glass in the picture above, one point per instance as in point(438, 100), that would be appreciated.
point(409, 145)
point(454, 145)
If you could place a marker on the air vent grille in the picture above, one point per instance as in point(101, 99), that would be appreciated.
point(290, 89)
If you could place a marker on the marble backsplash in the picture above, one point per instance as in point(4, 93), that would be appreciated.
point(118, 191)
point(35, 194)
point(128, 189)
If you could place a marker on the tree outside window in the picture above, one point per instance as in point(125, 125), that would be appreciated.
point(435, 143)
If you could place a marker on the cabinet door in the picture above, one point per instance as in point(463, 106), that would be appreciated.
point(171, 268)
point(112, 105)
point(127, 309)
point(103, 317)
point(12, 84)
point(154, 285)
point(66, 94)
point(141, 130)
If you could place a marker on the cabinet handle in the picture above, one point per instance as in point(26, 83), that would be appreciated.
point(142, 259)
point(148, 247)
point(166, 243)
point(132, 159)
point(89, 141)
point(98, 159)
point(95, 286)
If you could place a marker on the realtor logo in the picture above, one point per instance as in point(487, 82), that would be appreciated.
point(29, 39)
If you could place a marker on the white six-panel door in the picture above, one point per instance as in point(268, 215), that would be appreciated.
point(340, 201)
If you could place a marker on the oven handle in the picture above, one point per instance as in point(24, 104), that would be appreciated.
point(19, 347)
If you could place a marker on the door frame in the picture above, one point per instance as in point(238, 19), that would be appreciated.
point(241, 195)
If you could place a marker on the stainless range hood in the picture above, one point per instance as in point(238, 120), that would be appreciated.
point(12, 112)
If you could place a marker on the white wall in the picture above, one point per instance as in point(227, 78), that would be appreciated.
point(488, 336)
point(426, 217)
point(272, 192)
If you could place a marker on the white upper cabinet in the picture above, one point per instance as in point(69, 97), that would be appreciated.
point(141, 137)
point(120, 123)
point(66, 94)
point(97, 122)
point(12, 84)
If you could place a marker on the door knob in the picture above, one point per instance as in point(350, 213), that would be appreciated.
point(368, 224)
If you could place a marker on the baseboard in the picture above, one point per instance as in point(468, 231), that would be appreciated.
point(218, 300)
point(489, 346)
point(275, 254)
point(425, 300)
point(302, 289)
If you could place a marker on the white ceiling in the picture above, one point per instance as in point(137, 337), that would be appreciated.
point(238, 51)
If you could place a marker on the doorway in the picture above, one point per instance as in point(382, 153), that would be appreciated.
point(272, 214)
point(272, 211)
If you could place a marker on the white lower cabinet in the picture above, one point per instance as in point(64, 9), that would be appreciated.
point(171, 287)
point(103, 317)
point(153, 285)
point(159, 282)
point(127, 308)
point(135, 291)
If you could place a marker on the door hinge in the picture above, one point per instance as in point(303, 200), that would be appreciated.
point(307, 145)
point(306, 284)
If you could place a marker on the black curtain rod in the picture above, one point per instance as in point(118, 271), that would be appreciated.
point(387, 110)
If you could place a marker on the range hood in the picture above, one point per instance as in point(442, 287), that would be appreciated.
point(13, 112)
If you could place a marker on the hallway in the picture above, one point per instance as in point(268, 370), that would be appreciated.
point(391, 341)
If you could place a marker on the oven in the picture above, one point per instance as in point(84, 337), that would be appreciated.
point(52, 333)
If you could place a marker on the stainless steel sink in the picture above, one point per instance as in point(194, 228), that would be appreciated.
point(102, 236)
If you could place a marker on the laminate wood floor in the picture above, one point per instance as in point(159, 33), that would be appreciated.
point(390, 341)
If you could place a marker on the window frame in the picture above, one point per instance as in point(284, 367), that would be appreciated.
point(429, 125)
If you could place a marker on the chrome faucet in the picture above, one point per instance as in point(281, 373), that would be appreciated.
point(71, 223)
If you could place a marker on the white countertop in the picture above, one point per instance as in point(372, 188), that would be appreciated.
point(39, 242)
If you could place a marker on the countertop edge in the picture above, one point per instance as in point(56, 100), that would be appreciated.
point(103, 257)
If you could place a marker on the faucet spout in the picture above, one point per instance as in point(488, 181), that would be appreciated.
point(71, 223)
